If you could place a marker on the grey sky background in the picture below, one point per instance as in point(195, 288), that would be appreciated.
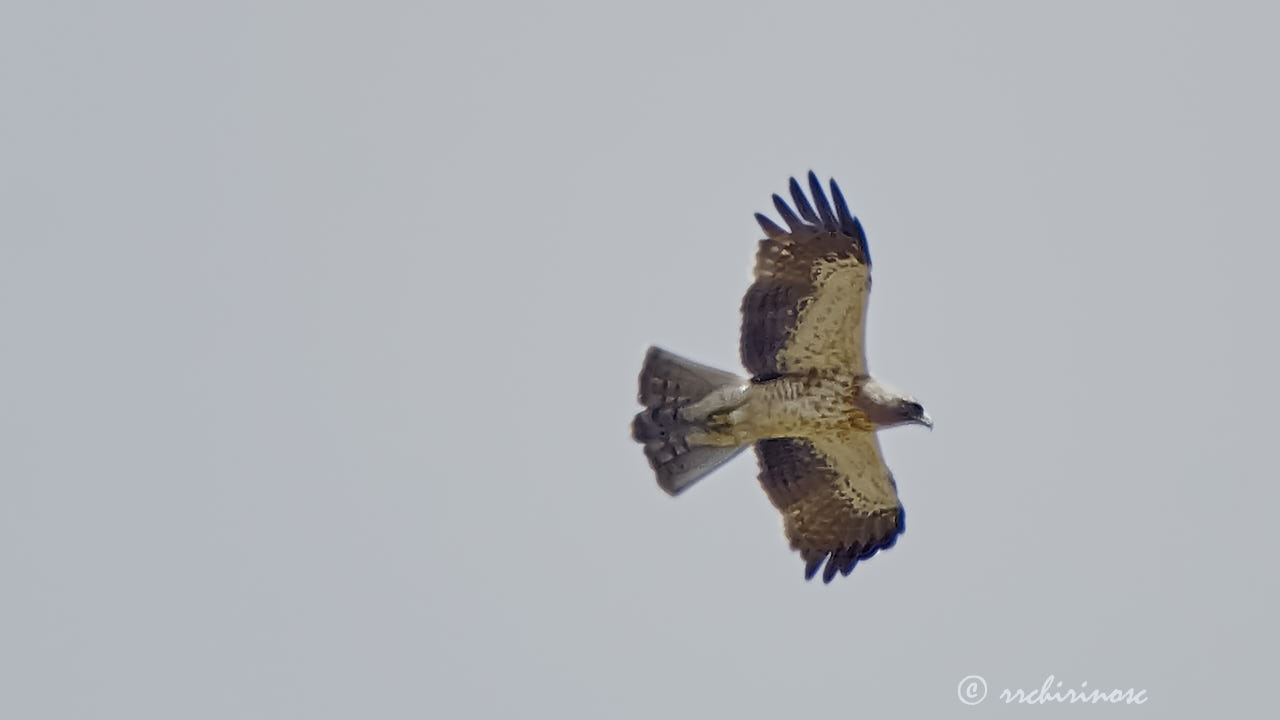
point(319, 327)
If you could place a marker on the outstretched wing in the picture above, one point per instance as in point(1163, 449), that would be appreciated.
point(807, 307)
point(838, 500)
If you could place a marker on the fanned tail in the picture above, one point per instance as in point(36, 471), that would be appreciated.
point(668, 384)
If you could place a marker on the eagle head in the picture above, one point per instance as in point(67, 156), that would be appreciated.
point(886, 406)
point(911, 411)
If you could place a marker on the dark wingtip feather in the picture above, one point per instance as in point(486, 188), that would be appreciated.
point(840, 560)
point(829, 572)
point(849, 565)
point(811, 568)
point(862, 240)
point(824, 207)
point(771, 229)
point(843, 215)
point(849, 224)
point(788, 216)
point(802, 203)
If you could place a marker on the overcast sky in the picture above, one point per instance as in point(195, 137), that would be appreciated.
point(319, 328)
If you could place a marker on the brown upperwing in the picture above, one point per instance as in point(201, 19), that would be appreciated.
point(807, 307)
point(837, 497)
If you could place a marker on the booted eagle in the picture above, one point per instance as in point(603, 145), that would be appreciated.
point(809, 407)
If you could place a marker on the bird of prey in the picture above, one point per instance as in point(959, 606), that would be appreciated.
point(809, 407)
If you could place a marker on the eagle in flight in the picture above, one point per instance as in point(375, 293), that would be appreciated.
point(809, 407)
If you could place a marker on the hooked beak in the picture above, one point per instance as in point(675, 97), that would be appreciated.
point(925, 420)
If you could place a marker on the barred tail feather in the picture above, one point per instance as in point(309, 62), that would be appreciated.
point(668, 383)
